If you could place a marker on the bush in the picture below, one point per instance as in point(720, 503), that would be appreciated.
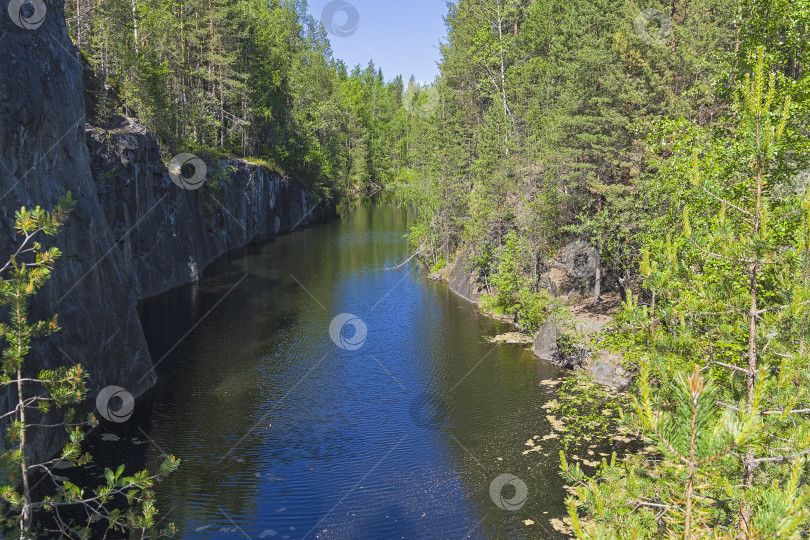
point(533, 309)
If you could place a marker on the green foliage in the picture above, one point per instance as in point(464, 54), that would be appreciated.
point(533, 309)
point(441, 262)
point(727, 289)
point(687, 483)
point(508, 279)
point(513, 293)
point(244, 78)
point(37, 400)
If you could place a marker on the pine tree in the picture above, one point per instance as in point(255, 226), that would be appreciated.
point(52, 390)
point(729, 299)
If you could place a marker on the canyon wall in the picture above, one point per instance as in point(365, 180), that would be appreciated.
point(133, 233)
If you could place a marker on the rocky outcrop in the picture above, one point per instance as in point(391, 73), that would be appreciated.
point(553, 345)
point(42, 156)
point(462, 280)
point(607, 374)
point(133, 233)
point(545, 342)
point(573, 271)
point(166, 234)
point(556, 346)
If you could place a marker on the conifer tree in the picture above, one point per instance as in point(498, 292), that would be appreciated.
point(729, 300)
point(29, 514)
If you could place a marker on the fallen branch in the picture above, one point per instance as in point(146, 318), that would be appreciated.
point(409, 259)
point(781, 458)
point(792, 411)
point(728, 366)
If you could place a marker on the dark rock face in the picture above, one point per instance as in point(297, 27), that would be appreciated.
point(463, 281)
point(42, 156)
point(545, 343)
point(572, 271)
point(166, 234)
point(133, 232)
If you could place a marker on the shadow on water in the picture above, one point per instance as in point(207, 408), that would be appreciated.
point(395, 425)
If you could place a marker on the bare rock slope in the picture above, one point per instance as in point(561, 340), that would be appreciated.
point(133, 232)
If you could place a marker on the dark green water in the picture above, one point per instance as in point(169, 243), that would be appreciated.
point(284, 434)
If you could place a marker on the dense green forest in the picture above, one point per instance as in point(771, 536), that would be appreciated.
point(673, 137)
point(250, 78)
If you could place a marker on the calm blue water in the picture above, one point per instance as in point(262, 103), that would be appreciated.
point(284, 434)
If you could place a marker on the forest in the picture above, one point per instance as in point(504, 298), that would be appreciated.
point(673, 137)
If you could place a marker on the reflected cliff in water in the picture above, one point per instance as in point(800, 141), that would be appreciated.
point(287, 432)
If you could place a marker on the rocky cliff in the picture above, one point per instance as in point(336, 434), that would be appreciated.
point(166, 234)
point(133, 232)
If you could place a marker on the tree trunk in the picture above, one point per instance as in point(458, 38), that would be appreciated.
point(25, 514)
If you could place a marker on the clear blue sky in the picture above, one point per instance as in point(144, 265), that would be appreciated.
point(401, 37)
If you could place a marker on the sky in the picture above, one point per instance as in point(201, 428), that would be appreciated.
point(401, 37)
